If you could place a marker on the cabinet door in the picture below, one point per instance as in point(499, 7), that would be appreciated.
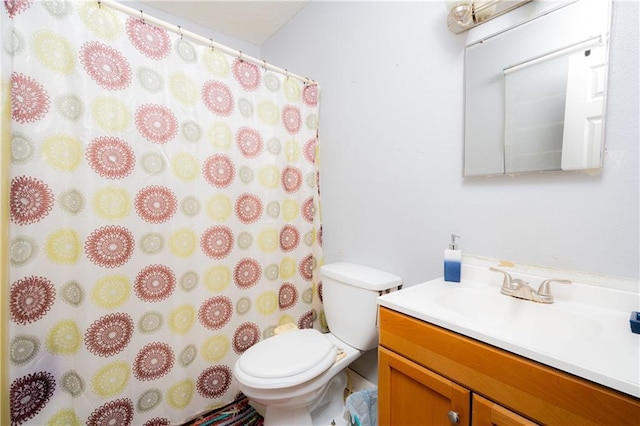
point(488, 413)
point(409, 394)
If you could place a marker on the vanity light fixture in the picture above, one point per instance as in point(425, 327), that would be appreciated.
point(466, 14)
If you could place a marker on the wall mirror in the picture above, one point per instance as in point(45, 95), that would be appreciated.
point(535, 93)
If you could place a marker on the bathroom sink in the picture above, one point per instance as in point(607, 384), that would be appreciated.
point(534, 320)
point(585, 331)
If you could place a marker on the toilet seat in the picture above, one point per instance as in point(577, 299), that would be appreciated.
point(285, 360)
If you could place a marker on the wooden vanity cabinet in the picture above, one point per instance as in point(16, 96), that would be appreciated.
point(427, 373)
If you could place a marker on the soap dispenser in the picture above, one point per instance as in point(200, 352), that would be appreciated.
point(452, 261)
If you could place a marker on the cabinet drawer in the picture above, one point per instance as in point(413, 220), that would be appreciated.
point(534, 390)
point(485, 412)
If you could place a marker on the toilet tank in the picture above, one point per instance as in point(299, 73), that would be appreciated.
point(349, 295)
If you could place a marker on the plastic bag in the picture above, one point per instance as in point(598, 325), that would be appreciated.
point(361, 408)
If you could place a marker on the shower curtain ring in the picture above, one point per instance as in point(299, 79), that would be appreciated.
point(180, 32)
point(265, 65)
point(211, 45)
point(141, 16)
point(286, 73)
point(241, 60)
point(99, 4)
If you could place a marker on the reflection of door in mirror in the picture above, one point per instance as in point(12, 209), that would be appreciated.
point(534, 116)
point(554, 107)
point(584, 110)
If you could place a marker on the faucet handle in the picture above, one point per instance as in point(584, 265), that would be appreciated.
point(506, 283)
point(544, 291)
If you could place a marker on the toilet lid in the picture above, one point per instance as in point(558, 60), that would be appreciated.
point(287, 359)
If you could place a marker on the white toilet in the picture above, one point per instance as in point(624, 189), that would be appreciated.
point(300, 375)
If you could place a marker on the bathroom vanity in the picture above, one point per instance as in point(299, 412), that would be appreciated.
point(465, 354)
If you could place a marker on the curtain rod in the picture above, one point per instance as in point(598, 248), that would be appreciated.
point(202, 40)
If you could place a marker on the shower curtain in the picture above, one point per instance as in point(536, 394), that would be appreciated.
point(164, 215)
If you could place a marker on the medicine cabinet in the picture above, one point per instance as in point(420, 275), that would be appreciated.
point(535, 94)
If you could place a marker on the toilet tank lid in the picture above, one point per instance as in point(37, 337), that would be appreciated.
point(360, 276)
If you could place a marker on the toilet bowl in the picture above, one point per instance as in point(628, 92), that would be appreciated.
point(299, 373)
point(288, 374)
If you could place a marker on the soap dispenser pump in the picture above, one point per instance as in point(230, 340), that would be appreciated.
point(452, 261)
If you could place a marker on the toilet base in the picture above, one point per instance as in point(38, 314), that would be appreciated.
point(330, 409)
point(326, 409)
point(277, 416)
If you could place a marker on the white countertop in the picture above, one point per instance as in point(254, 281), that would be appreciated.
point(585, 332)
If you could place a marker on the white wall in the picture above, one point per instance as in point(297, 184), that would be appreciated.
point(391, 125)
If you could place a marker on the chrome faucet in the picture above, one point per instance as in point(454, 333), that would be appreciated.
point(515, 287)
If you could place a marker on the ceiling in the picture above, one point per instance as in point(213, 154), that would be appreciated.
point(250, 21)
